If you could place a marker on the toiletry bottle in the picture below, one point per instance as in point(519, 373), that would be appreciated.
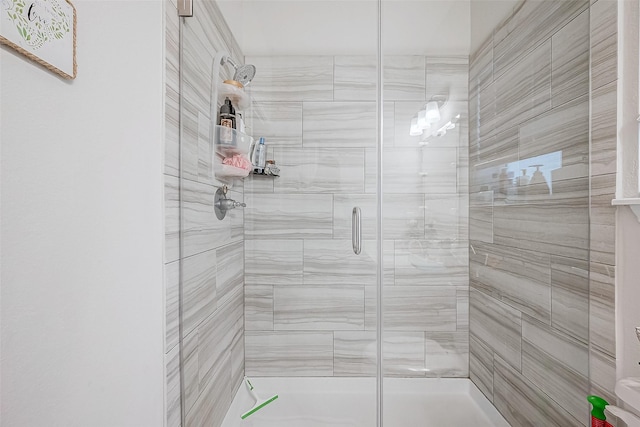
point(259, 157)
point(228, 114)
point(598, 418)
point(227, 122)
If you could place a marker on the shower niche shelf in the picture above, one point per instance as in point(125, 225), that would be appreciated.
point(228, 143)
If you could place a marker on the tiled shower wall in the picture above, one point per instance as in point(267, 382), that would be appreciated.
point(310, 305)
point(212, 260)
point(604, 79)
point(529, 238)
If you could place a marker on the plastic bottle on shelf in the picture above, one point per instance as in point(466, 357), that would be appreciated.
point(227, 123)
point(259, 158)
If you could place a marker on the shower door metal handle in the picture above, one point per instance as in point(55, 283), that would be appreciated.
point(356, 230)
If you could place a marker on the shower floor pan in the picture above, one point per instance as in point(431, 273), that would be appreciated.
point(350, 402)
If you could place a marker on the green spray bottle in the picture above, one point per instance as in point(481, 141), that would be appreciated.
point(598, 418)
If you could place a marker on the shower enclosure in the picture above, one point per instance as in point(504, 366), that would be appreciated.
point(429, 220)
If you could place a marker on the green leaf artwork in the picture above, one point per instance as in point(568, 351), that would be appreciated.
point(38, 22)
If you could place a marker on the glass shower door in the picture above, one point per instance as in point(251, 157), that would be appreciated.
point(310, 301)
point(274, 290)
point(425, 205)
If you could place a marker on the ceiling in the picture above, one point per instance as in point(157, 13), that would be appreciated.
point(337, 27)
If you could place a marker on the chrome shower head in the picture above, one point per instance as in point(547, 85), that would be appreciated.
point(244, 74)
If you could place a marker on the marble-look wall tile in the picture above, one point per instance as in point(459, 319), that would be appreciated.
point(462, 299)
point(528, 227)
point(604, 112)
point(404, 354)
point(213, 402)
point(419, 308)
point(236, 356)
point(172, 387)
point(445, 215)
point(339, 124)
point(189, 360)
point(558, 365)
point(448, 76)
point(486, 121)
point(295, 78)
point(481, 365)
point(404, 78)
point(280, 123)
point(498, 325)
point(481, 67)
point(570, 297)
point(258, 184)
point(524, 91)
point(489, 157)
point(531, 23)
point(371, 171)
point(564, 129)
point(403, 216)
point(274, 262)
point(171, 219)
point(431, 263)
point(481, 224)
point(447, 354)
point(172, 92)
point(333, 262)
point(296, 353)
point(602, 374)
point(355, 78)
point(518, 278)
point(217, 31)
point(604, 43)
point(521, 403)
point(318, 308)
point(189, 142)
point(289, 216)
point(570, 61)
point(562, 348)
point(229, 271)
point(602, 219)
point(258, 308)
point(602, 331)
point(216, 337)
point(205, 149)
point(202, 231)
point(320, 170)
point(354, 353)
point(428, 170)
point(199, 297)
point(172, 306)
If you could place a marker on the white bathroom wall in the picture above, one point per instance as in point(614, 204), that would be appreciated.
point(627, 293)
point(82, 227)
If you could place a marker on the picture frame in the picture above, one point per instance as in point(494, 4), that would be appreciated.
point(42, 30)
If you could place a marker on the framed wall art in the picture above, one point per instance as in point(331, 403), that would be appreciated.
point(42, 30)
